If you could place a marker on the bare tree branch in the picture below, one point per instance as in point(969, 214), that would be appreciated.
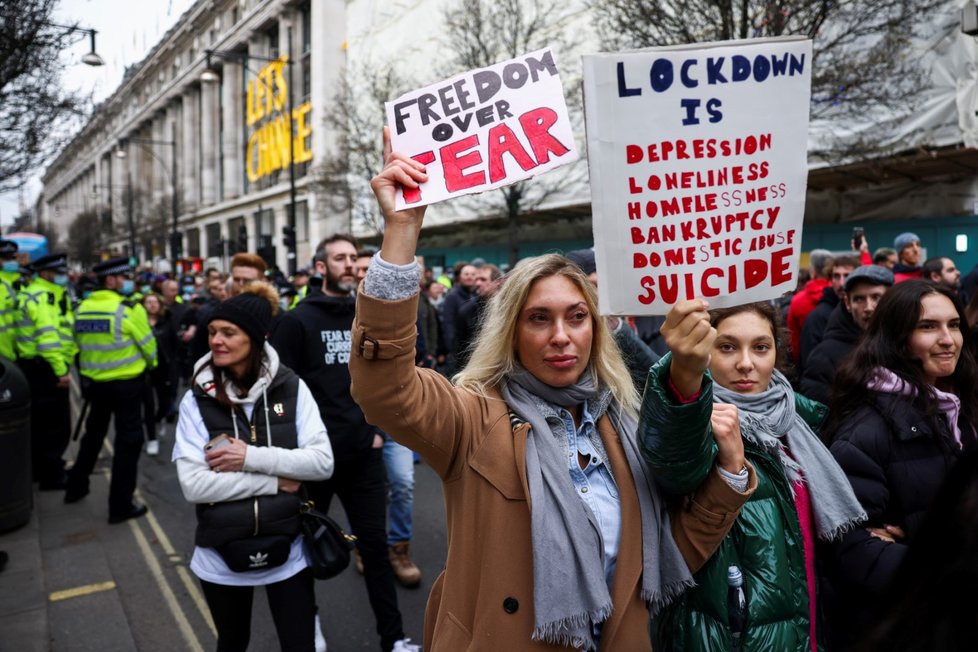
point(33, 105)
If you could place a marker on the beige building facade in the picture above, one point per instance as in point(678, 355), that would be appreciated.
point(195, 141)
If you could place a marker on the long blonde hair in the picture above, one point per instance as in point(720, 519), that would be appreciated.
point(494, 353)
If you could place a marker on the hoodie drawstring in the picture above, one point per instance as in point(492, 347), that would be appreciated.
point(268, 425)
point(234, 420)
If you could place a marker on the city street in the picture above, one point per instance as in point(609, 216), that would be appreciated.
point(76, 583)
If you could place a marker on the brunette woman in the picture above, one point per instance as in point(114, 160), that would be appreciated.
point(904, 407)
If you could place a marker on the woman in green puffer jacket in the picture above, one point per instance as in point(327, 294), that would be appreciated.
point(721, 377)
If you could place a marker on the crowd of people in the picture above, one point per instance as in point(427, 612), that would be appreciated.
point(820, 445)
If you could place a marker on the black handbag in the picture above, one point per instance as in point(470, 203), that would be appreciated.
point(327, 545)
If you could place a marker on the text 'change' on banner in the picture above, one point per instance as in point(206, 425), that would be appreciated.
point(698, 166)
point(484, 129)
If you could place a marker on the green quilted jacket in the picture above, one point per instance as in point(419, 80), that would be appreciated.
point(765, 541)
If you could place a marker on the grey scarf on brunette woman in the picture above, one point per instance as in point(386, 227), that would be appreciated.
point(570, 593)
point(769, 420)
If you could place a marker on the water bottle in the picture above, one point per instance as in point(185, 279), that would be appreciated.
point(736, 608)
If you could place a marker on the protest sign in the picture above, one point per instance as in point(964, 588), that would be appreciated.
point(698, 168)
point(484, 129)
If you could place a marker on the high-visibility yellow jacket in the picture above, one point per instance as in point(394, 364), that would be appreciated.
point(114, 338)
point(300, 294)
point(45, 323)
point(9, 315)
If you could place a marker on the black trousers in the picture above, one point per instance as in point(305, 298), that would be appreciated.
point(50, 421)
point(293, 606)
point(124, 399)
point(360, 483)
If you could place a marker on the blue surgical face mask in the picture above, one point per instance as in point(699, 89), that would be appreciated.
point(188, 289)
point(11, 266)
point(146, 289)
point(61, 279)
point(127, 287)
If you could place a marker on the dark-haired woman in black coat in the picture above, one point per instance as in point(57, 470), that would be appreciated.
point(903, 409)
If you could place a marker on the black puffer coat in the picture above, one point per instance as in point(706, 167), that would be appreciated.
point(839, 340)
point(895, 461)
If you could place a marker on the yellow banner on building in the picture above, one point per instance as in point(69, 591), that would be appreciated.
point(266, 105)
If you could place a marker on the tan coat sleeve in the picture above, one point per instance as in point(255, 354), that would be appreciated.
point(417, 407)
point(705, 517)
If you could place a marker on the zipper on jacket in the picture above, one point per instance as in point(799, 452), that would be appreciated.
point(255, 533)
point(254, 435)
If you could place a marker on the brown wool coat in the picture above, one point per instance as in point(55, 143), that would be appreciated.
point(483, 600)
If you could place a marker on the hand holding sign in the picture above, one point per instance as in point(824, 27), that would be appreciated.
point(401, 228)
point(689, 335)
point(484, 129)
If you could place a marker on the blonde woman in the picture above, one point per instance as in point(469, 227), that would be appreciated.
point(557, 538)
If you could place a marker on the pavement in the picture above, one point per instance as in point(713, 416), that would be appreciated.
point(59, 576)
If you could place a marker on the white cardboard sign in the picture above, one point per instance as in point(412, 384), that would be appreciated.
point(698, 171)
point(484, 129)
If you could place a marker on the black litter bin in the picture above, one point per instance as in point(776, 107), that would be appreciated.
point(16, 499)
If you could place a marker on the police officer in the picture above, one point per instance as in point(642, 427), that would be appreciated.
point(116, 348)
point(9, 288)
point(45, 351)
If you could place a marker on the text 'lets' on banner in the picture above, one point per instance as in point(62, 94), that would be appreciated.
point(698, 168)
point(484, 129)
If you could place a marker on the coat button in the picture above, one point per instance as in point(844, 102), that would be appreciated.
point(510, 605)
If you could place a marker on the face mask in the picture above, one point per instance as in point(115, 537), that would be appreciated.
point(86, 294)
point(11, 266)
point(283, 304)
point(146, 289)
point(61, 279)
point(127, 287)
point(188, 289)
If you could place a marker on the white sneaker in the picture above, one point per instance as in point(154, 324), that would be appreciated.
point(320, 639)
point(153, 447)
point(405, 645)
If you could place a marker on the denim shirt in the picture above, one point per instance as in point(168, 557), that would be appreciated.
point(594, 484)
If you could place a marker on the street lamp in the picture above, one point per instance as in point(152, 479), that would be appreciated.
point(210, 76)
point(90, 59)
point(175, 249)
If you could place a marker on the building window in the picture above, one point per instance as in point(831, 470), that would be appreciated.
point(271, 38)
point(237, 235)
point(193, 243)
point(306, 15)
point(265, 228)
point(215, 243)
point(301, 221)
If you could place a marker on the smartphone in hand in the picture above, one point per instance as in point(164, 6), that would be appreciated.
point(220, 441)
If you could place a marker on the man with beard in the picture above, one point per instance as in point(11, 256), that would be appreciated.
point(314, 340)
point(862, 292)
point(942, 271)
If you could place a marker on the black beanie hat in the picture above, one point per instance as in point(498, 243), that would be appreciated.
point(250, 312)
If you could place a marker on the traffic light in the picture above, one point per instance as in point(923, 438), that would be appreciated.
point(242, 238)
point(288, 237)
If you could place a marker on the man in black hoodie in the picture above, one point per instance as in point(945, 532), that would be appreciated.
point(863, 290)
point(314, 340)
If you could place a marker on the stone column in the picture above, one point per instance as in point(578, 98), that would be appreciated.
point(232, 129)
point(209, 143)
point(327, 59)
point(158, 174)
point(189, 148)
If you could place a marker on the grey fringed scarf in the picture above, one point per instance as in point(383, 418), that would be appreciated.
point(768, 417)
point(570, 593)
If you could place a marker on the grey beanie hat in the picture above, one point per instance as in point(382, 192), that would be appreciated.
point(904, 240)
point(874, 274)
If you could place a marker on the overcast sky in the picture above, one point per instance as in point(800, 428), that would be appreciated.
point(127, 31)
